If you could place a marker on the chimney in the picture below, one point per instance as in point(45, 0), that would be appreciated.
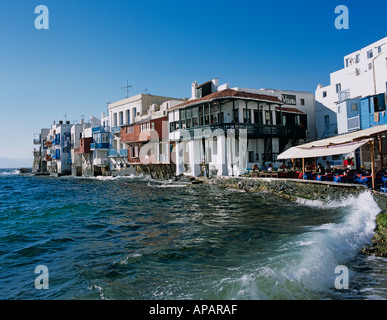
point(193, 90)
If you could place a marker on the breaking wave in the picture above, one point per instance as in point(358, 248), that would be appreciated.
point(308, 264)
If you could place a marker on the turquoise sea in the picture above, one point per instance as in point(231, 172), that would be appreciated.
point(135, 238)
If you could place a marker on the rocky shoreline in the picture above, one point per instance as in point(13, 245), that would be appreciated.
point(292, 190)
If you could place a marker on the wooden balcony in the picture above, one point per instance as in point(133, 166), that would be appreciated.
point(254, 131)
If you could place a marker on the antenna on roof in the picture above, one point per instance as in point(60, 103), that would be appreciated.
point(146, 91)
point(127, 88)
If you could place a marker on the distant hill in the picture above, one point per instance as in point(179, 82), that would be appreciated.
point(16, 163)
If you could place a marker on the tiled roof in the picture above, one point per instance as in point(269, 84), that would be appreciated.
point(292, 110)
point(230, 93)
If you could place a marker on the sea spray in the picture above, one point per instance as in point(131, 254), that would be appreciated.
point(307, 266)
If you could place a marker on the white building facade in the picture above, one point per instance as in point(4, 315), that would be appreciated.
point(364, 74)
point(224, 131)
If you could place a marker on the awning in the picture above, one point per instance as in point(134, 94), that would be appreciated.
point(299, 152)
point(340, 144)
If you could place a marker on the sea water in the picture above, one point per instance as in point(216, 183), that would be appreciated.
point(136, 238)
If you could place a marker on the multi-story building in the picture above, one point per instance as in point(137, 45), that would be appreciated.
point(224, 131)
point(147, 139)
point(58, 153)
point(124, 113)
point(40, 164)
point(101, 137)
point(355, 97)
point(364, 74)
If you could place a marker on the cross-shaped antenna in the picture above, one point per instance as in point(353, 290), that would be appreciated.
point(146, 91)
point(127, 88)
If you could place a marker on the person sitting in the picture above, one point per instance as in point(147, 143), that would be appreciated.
point(328, 167)
point(255, 167)
point(270, 167)
point(283, 165)
point(320, 169)
point(264, 167)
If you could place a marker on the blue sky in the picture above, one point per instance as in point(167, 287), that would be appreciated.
point(93, 47)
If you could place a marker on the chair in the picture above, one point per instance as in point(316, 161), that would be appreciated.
point(320, 177)
point(307, 176)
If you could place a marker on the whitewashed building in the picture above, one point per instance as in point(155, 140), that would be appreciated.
point(224, 131)
point(364, 73)
point(58, 153)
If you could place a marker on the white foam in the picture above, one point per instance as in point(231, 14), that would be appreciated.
point(9, 172)
point(307, 265)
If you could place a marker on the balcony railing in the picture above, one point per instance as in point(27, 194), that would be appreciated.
point(116, 130)
point(118, 153)
point(95, 146)
point(254, 131)
point(344, 95)
point(100, 129)
point(100, 162)
point(354, 123)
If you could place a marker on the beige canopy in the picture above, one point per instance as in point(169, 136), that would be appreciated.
point(339, 144)
point(321, 151)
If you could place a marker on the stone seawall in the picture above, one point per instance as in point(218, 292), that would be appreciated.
point(292, 189)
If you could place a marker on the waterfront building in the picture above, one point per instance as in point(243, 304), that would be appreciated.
point(364, 74)
point(224, 131)
point(40, 164)
point(124, 113)
point(355, 97)
point(100, 145)
point(147, 138)
point(58, 153)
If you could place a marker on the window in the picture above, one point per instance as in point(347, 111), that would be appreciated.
point(302, 101)
point(268, 117)
point(324, 94)
point(347, 62)
point(114, 119)
point(357, 58)
point(379, 49)
point(105, 137)
point(246, 116)
point(251, 156)
point(354, 106)
point(121, 118)
point(236, 115)
point(370, 54)
point(376, 104)
point(338, 109)
point(326, 123)
point(338, 87)
point(127, 112)
point(370, 66)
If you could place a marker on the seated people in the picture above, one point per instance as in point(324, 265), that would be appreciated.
point(320, 169)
